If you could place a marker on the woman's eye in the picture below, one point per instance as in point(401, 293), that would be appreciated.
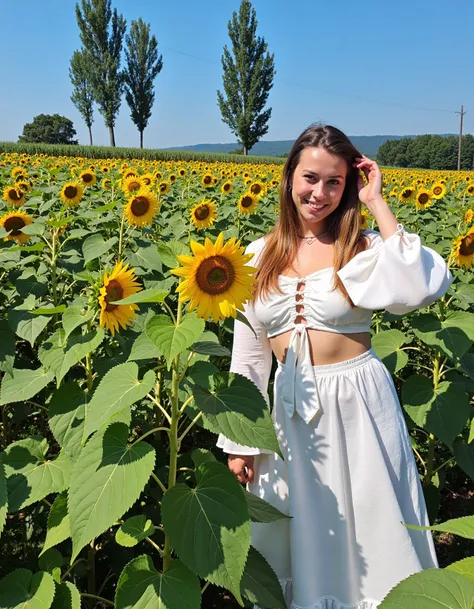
point(335, 182)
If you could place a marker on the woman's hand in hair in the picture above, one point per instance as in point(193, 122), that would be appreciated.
point(242, 467)
point(371, 191)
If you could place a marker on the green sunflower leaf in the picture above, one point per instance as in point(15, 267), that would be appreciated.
point(106, 480)
point(141, 586)
point(24, 324)
point(260, 584)
point(150, 295)
point(134, 530)
point(237, 409)
point(73, 317)
point(66, 413)
point(209, 527)
point(171, 339)
point(387, 346)
point(67, 597)
point(3, 497)
point(454, 336)
point(464, 567)
point(433, 589)
point(119, 389)
point(23, 385)
point(58, 523)
point(262, 511)
point(95, 246)
point(443, 411)
point(20, 589)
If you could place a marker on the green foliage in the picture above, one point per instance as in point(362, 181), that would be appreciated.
point(247, 77)
point(82, 96)
point(22, 589)
point(104, 152)
point(49, 129)
point(101, 31)
point(144, 63)
point(427, 152)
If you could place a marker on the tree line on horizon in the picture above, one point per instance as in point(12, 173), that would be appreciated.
point(428, 152)
point(97, 77)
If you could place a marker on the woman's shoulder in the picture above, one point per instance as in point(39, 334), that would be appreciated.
point(257, 246)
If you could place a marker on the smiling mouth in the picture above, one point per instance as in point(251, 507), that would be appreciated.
point(314, 205)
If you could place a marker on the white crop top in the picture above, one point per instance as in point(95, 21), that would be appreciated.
point(398, 274)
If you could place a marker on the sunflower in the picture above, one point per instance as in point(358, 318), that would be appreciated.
point(181, 172)
point(364, 219)
point(248, 203)
point(164, 188)
point(23, 185)
point(120, 284)
point(438, 190)
point(217, 279)
point(203, 214)
point(469, 216)
point(226, 188)
point(463, 249)
point(424, 199)
point(470, 190)
point(106, 184)
point(131, 173)
point(258, 189)
point(13, 222)
point(148, 179)
point(18, 172)
point(407, 194)
point(172, 178)
point(88, 177)
point(13, 196)
point(207, 180)
point(141, 208)
point(131, 184)
point(71, 193)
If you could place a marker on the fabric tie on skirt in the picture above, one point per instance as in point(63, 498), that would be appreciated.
point(298, 384)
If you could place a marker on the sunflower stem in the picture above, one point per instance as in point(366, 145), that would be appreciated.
point(432, 441)
point(173, 435)
point(122, 226)
point(190, 426)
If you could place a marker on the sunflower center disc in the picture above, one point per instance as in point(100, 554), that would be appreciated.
point(14, 195)
point(437, 190)
point(134, 186)
point(423, 198)
point(14, 224)
point(467, 246)
point(215, 275)
point(114, 292)
point(70, 192)
point(247, 202)
point(202, 212)
point(87, 177)
point(207, 179)
point(140, 205)
point(255, 189)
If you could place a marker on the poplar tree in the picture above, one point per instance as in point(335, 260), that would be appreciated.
point(82, 96)
point(144, 63)
point(101, 32)
point(247, 79)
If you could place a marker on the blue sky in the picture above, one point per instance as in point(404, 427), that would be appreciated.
point(371, 67)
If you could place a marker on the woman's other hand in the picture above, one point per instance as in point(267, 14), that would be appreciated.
point(242, 467)
point(372, 190)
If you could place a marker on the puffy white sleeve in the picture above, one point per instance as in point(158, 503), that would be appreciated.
point(251, 357)
point(398, 274)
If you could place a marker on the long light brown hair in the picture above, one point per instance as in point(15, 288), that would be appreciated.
point(343, 224)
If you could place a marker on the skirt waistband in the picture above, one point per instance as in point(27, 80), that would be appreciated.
point(348, 364)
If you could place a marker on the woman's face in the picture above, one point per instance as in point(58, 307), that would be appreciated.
point(318, 183)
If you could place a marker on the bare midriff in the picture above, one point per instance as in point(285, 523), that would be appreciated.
point(326, 347)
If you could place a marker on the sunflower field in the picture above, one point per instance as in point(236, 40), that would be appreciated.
point(120, 280)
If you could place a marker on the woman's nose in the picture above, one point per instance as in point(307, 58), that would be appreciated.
point(318, 190)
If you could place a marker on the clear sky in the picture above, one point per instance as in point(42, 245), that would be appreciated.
point(370, 67)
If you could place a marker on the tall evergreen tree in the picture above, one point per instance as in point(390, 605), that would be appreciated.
point(247, 79)
point(82, 96)
point(144, 63)
point(101, 32)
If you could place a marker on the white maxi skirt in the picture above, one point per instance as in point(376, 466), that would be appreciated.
point(349, 481)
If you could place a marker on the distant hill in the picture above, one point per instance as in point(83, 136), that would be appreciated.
point(368, 144)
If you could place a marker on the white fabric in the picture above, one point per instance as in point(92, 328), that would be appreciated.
point(349, 477)
point(348, 482)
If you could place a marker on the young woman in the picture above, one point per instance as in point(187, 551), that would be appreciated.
point(349, 479)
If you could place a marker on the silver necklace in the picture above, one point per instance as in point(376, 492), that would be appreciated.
point(310, 240)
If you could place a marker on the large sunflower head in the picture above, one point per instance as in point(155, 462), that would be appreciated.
point(226, 188)
point(217, 280)
point(248, 203)
point(13, 222)
point(203, 214)
point(141, 208)
point(438, 190)
point(121, 283)
point(463, 249)
point(407, 194)
point(258, 189)
point(88, 177)
point(71, 193)
point(13, 195)
point(207, 180)
point(131, 184)
point(424, 199)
